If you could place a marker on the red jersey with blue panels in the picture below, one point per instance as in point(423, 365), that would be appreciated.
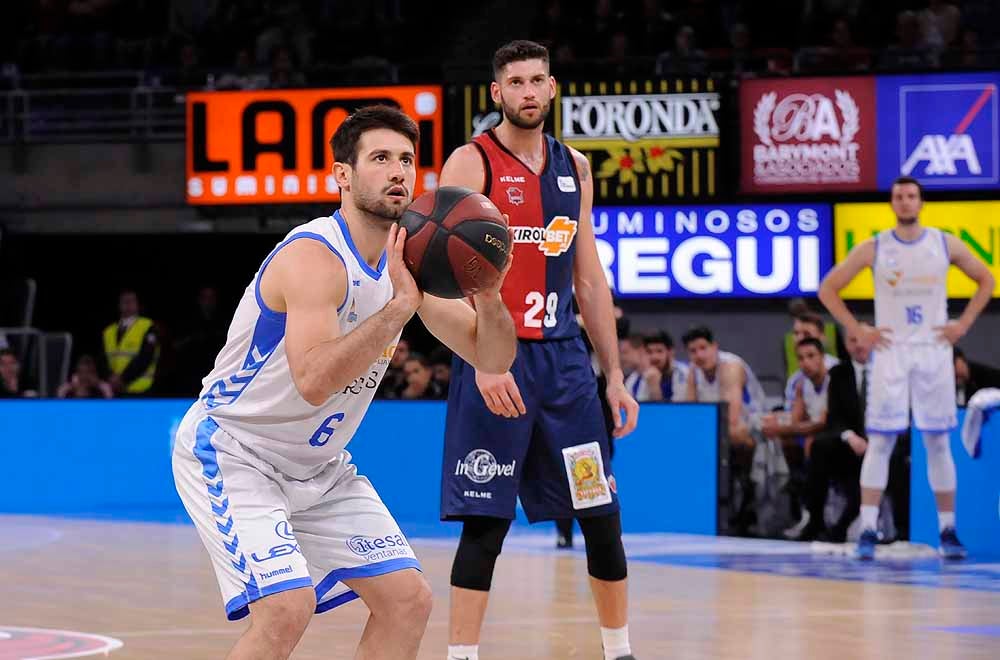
point(544, 210)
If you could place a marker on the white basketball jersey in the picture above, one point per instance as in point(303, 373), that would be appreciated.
point(708, 390)
point(250, 392)
point(910, 285)
point(815, 397)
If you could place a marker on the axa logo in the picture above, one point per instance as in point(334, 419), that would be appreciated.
point(950, 131)
point(553, 240)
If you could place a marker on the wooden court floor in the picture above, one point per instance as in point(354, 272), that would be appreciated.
point(151, 587)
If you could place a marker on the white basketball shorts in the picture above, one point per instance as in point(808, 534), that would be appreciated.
point(267, 533)
point(911, 377)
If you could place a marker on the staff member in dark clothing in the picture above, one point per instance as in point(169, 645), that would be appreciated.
point(970, 377)
point(131, 348)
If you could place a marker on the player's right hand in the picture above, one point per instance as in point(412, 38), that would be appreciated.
point(871, 337)
point(501, 394)
point(404, 287)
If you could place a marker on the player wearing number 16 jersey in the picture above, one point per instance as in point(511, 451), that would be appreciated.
point(912, 368)
point(538, 431)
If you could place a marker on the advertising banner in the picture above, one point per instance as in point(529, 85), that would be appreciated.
point(942, 129)
point(714, 251)
point(976, 223)
point(646, 140)
point(273, 146)
point(807, 135)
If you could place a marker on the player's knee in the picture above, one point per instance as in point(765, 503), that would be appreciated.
point(283, 617)
point(605, 552)
point(936, 444)
point(940, 466)
point(881, 445)
point(411, 607)
point(478, 549)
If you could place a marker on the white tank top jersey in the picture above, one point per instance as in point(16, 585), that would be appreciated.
point(910, 285)
point(815, 397)
point(250, 392)
point(708, 390)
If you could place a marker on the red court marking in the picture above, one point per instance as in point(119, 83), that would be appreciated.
point(974, 110)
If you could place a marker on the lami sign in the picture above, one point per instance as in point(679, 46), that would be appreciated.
point(808, 133)
point(714, 251)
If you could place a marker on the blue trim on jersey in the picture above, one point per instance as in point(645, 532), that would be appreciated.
point(266, 335)
point(205, 453)
point(268, 312)
point(945, 430)
point(870, 430)
point(374, 273)
point(366, 571)
point(793, 381)
point(239, 607)
point(916, 240)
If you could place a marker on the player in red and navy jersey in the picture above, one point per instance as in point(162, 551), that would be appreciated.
point(538, 431)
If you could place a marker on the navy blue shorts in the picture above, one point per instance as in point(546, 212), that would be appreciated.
point(555, 457)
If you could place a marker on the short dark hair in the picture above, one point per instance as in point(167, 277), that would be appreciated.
point(959, 353)
point(661, 337)
point(635, 341)
point(698, 332)
point(812, 318)
point(903, 180)
point(344, 142)
point(418, 357)
point(811, 341)
point(518, 51)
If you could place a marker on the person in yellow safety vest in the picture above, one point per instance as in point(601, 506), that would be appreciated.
point(131, 348)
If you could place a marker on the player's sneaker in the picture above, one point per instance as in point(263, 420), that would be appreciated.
point(951, 547)
point(866, 545)
point(626, 657)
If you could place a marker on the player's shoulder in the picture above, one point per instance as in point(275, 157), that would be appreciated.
point(466, 166)
point(579, 160)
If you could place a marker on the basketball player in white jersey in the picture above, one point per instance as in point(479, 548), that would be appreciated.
point(259, 459)
point(721, 376)
point(911, 367)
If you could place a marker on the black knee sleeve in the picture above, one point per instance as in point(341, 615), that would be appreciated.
point(478, 549)
point(605, 552)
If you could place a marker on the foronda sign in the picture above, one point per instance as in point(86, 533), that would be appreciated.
point(714, 251)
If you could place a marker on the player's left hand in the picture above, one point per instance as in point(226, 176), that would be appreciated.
point(618, 398)
point(951, 331)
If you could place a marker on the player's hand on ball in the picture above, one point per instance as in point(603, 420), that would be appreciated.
point(951, 331)
point(871, 337)
point(404, 287)
point(495, 290)
point(619, 398)
point(501, 394)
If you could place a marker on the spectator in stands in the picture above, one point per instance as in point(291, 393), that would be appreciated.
point(243, 75)
point(85, 383)
point(12, 386)
point(189, 75)
point(419, 379)
point(440, 359)
point(939, 23)
point(742, 55)
point(665, 379)
point(201, 336)
point(685, 58)
point(798, 308)
point(634, 360)
point(395, 380)
point(283, 71)
point(131, 348)
point(837, 451)
point(970, 377)
point(807, 325)
point(911, 50)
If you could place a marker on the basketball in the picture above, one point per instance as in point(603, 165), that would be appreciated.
point(456, 242)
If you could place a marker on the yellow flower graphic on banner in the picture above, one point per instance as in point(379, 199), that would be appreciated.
point(661, 159)
point(623, 164)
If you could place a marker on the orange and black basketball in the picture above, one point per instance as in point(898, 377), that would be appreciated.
point(456, 242)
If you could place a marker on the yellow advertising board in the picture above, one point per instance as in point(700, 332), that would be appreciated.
point(977, 224)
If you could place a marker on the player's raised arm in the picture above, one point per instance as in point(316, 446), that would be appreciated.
point(308, 282)
point(465, 168)
point(596, 307)
point(484, 337)
point(861, 257)
point(977, 271)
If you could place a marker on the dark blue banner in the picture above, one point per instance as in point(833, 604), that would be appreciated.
point(747, 251)
point(942, 129)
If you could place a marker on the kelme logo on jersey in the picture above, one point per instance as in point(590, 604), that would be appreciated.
point(480, 466)
point(553, 240)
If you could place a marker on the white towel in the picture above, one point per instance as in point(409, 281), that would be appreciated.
point(981, 405)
